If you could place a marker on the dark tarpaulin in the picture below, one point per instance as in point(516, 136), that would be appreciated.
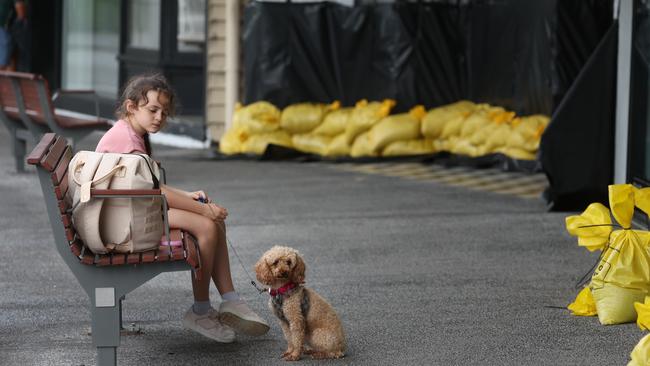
point(321, 52)
point(577, 148)
point(522, 55)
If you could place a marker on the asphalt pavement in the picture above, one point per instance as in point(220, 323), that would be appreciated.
point(420, 273)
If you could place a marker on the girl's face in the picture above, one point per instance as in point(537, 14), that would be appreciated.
point(149, 117)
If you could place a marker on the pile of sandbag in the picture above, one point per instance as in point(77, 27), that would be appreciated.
point(622, 275)
point(465, 128)
point(368, 130)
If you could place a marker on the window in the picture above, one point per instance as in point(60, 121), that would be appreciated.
point(90, 45)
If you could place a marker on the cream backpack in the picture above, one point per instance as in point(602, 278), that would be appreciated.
point(121, 225)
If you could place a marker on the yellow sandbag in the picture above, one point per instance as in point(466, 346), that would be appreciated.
point(435, 120)
point(256, 144)
point(304, 117)
point(365, 115)
point(641, 353)
point(232, 141)
point(592, 227)
point(311, 143)
point(404, 126)
point(584, 304)
point(462, 146)
point(255, 118)
point(338, 147)
point(622, 275)
point(527, 132)
point(452, 127)
point(480, 118)
point(497, 138)
point(615, 304)
point(334, 122)
point(409, 147)
point(361, 147)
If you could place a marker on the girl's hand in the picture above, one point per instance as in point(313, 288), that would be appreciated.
point(200, 194)
point(214, 212)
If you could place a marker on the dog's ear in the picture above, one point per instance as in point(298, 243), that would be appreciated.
point(298, 273)
point(263, 271)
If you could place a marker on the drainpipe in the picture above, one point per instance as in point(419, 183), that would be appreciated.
point(232, 59)
point(623, 89)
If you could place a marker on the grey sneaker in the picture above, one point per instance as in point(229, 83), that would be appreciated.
point(209, 325)
point(241, 318)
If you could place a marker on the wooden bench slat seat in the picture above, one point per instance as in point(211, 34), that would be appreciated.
point(114, 273)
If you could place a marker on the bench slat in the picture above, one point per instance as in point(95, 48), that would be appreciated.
point(148, 256)
point(67, 220)
point(133, 258)
point(41, 149)
point(62, 188)
point(118, 259)
point(76, 247)
point(70, 234)
point(62, 167)
point(52, 157)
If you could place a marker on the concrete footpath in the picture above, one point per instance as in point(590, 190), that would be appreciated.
point(420, 273)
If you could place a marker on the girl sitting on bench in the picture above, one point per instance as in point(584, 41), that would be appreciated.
point(146, 102)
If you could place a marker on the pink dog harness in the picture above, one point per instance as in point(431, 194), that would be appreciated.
point(282, 290)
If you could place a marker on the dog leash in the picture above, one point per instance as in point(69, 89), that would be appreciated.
point(257, 287)
point(241, 263)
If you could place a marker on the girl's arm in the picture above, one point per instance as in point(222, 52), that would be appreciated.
point(182, 200)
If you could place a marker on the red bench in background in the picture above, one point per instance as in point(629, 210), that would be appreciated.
point(26, 106)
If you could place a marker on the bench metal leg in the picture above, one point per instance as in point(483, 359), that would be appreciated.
point(106, 314)
point(106, 356)
point(20, 147)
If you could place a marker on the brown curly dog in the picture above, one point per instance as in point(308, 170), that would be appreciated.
point(309, 323)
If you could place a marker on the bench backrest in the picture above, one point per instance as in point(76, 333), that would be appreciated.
point(29, 90)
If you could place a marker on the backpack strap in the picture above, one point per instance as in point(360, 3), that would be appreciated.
point(86, 214)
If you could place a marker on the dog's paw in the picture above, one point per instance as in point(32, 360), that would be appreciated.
point(291, 356)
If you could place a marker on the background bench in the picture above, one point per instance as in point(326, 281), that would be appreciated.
point(105, 278)
point(26, 106)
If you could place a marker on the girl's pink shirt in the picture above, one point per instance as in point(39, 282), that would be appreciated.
point(121, 138)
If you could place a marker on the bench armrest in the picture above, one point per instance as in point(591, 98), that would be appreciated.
point(79, 91)
point(135, 193)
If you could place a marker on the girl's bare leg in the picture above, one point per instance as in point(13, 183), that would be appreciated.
point(221, 269)
point(214, 252)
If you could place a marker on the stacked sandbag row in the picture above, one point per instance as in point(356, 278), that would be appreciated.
point(368, 129)
point(465, 128)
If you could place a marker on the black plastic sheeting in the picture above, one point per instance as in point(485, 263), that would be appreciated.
point(577, 148)
point(526, 56)
point(522, 55)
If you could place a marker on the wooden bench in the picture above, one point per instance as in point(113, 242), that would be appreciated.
point(26, 106)
point(105, 278)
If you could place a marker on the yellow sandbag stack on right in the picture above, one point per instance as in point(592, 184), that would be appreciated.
point(622, 276)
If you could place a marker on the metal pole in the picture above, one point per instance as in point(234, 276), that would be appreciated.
point(623, 90)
